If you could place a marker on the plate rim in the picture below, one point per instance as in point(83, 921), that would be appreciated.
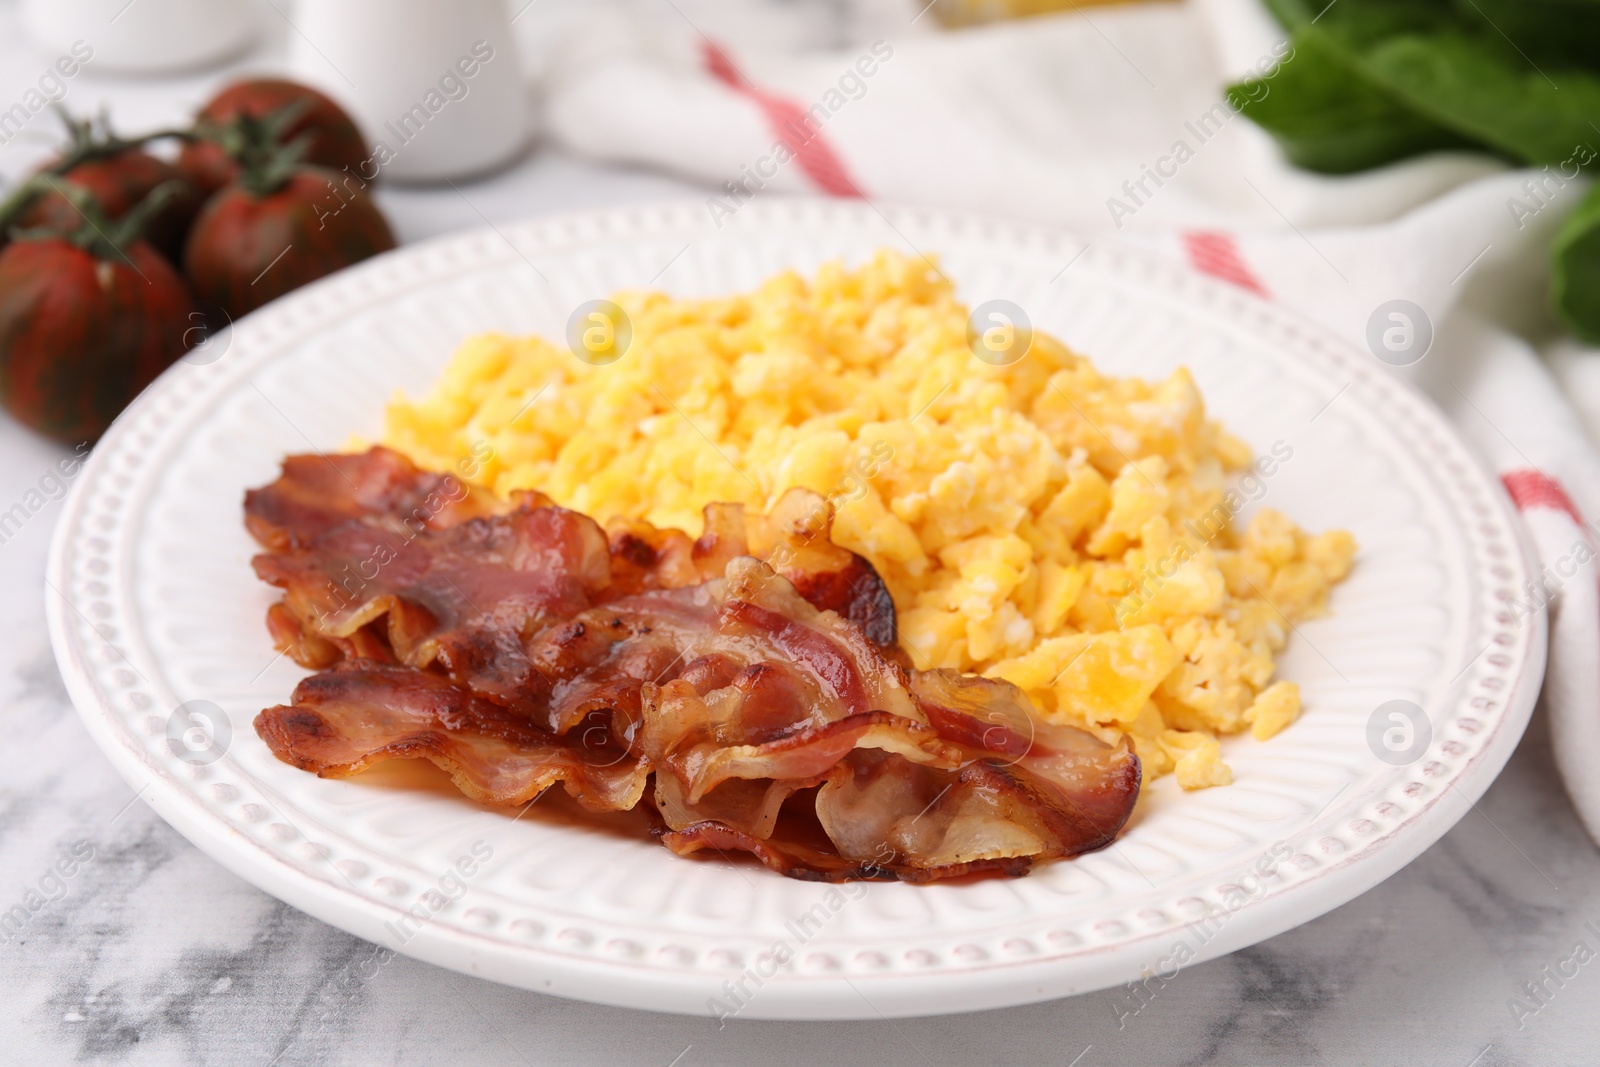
point(597, 979)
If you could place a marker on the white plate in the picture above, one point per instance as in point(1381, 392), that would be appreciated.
point(153, 605)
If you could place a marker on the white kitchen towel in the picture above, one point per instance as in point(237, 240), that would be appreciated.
point(1111, 121)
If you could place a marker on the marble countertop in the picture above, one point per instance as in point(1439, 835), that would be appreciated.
point(151, 953)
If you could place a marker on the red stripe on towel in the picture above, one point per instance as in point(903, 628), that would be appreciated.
point(1533, 489)
point(791, 124)
point(1216, 254)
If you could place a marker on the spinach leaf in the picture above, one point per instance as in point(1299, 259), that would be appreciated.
point(1329, 115)
point(1486, 92)
point(1548, 32)
point(1575, 269)
point(1385, 79)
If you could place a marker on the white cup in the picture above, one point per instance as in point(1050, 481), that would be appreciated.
point(435, 85)
point(145, 36)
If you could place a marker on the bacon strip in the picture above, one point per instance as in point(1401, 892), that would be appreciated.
point(367, 540)
point(317, 492)
point(986, 799)
point(463, 595)
point(516, 646)
point(346, 719)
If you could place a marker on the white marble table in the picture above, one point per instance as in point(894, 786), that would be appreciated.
point(156, 955)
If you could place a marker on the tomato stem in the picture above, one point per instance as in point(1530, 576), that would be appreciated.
point(86, 141)
point(96, 233)
point(258, 145)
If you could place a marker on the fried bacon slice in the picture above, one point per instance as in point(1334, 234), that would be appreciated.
point(463, 596)
point(971, 782)
point(317, 492)
point(752, 704)
point(344, 720)
point(795, 540)
point(368, 549)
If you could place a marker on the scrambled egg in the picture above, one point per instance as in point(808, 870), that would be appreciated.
point(1071, 532)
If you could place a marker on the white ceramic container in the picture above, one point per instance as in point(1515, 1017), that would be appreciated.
point(143, 36)
point(434, 84)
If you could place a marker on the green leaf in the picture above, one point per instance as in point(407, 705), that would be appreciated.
point(1488, 93)
point(1330, 116)
point(1575, 269)
point(1373, 81)
point(1548, 32)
